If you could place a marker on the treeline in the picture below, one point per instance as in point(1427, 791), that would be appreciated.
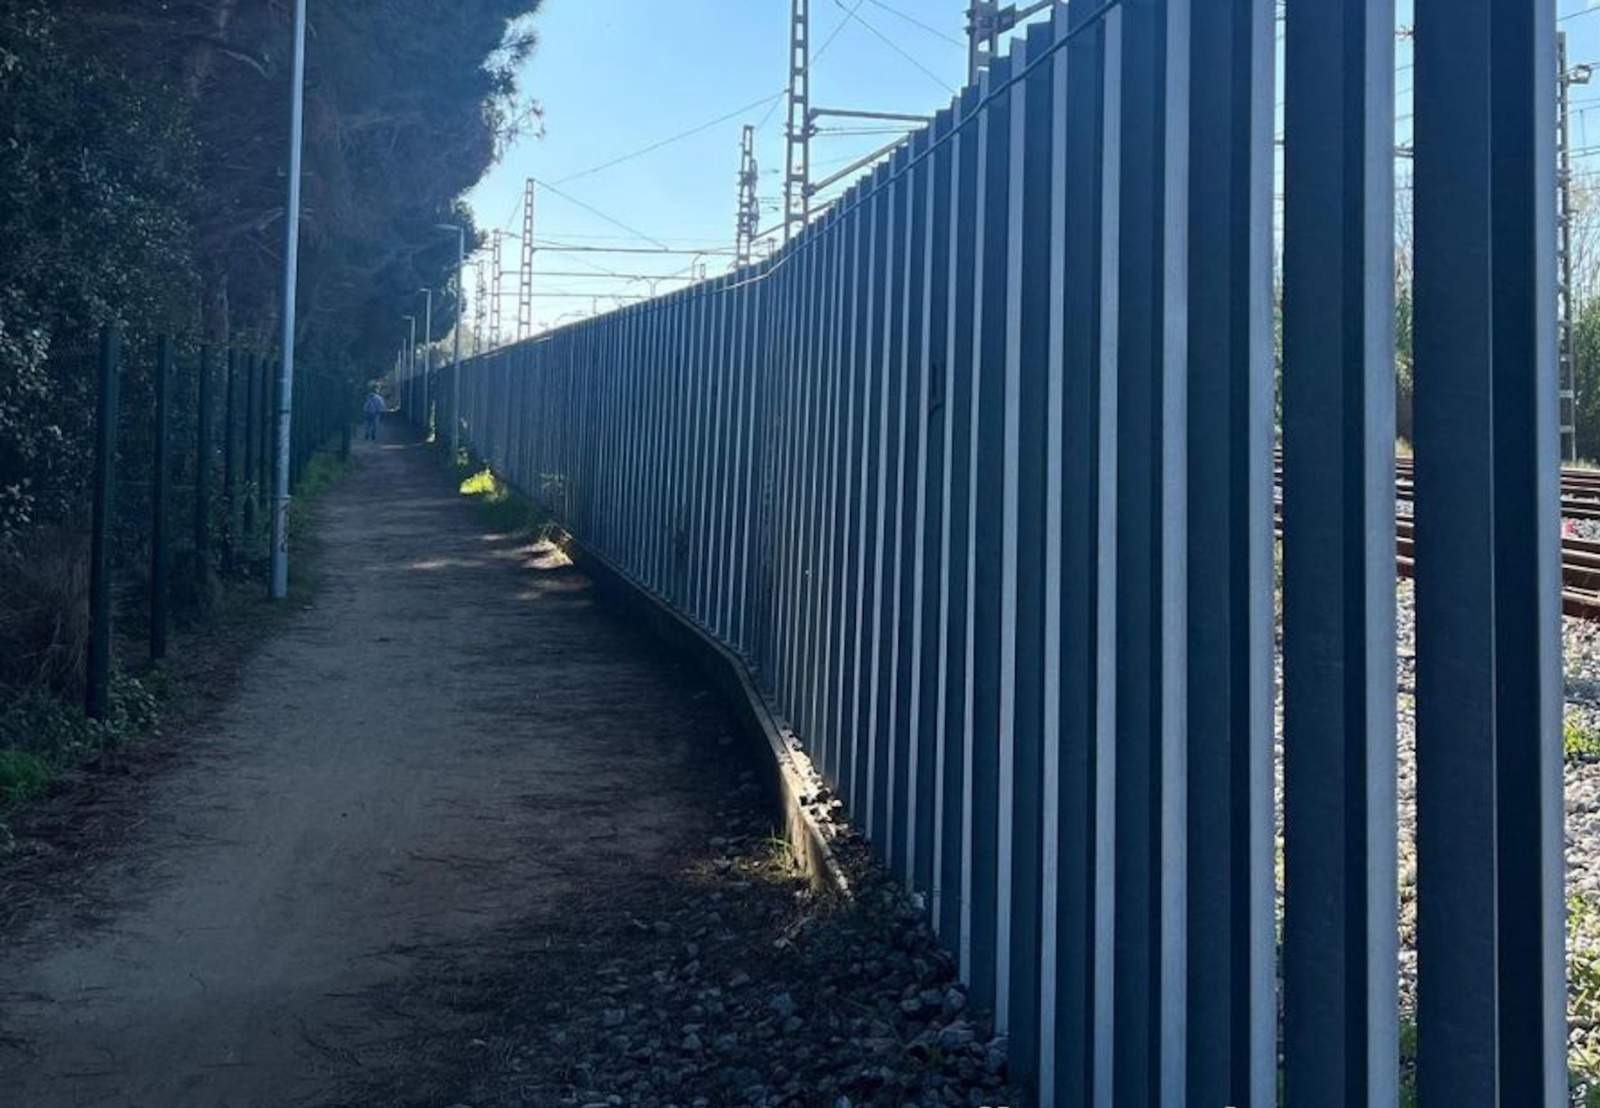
point(143, 153)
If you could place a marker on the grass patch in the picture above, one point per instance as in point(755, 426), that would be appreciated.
point(499, 507)
point(1583, 1000)
point(41, 736)
point(23, 777)
point(1408, 1061)
point(323, 470)
point(1579, 741)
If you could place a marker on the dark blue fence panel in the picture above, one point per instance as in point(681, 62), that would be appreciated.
point(977, 475)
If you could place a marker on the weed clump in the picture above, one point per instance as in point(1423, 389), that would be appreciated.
point(42, 735)
point(500, 506)
point(44, 611)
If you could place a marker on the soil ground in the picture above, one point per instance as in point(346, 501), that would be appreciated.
point(454, 834)
point(452, 739)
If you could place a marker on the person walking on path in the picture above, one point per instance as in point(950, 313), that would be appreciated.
point(374, 409)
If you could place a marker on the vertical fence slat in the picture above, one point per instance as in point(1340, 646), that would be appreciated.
point(927, 645)
point(913, 781)
point(1137, 508)
point(1489, 856)
point(1031, 459)
point(987, 520)
point(1230, 585)
point(1339, 960)
point(1068, 1072)
point(955, 678)
point(1457, 917)
point(841, 500)
point(887, 371)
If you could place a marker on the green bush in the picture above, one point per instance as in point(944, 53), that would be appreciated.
point(42, 735)
point(22, 777)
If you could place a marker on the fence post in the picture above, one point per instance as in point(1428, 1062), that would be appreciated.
point(97, 692)
point(158, 503)
point(202, 468)
point(251, 440)
point(229, 475)
point(264, 468)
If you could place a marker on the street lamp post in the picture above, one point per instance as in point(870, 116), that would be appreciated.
point(291, 260)
point(455, 358)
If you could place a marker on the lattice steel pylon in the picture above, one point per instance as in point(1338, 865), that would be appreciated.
point(480, 308)
point(748, 222)
point(797, 168)
point(983, 36)
point(495, 273)
point(525, 272)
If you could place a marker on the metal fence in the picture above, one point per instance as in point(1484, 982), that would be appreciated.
point(178, 483)
point(977, 473)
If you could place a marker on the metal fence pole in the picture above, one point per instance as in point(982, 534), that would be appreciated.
point(203, 463)
point(250, 444)
point(159, 473)
point(229, 458)
point(264, 439)
point(97, 694)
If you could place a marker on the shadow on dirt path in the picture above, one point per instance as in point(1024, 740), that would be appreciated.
point(451, 741)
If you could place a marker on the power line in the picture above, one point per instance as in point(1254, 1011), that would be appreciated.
point(590, 208)
point(654, 146)
point(564, 248)
point(930, 74)
point(932, 30)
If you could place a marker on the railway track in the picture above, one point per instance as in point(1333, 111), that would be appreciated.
point(1580, 558)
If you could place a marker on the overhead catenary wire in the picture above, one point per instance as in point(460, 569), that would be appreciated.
point(565, 248)
point(690, 133)
point(592, 210)
point(856, 15)
point(930, 28)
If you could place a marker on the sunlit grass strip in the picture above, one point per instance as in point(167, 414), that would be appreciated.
point(500, 507)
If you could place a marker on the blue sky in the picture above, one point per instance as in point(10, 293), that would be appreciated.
point(616, 76)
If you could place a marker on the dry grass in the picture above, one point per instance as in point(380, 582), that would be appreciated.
point(44, 612)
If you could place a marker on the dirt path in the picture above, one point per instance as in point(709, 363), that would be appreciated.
point(451, 742)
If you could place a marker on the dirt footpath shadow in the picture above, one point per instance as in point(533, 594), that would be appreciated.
point(452, 743)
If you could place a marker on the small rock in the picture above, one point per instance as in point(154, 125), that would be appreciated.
point(955, 1000)
point(956, 1035)
point(613, 1017)
point(995, 1055)
point(783, 1004)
